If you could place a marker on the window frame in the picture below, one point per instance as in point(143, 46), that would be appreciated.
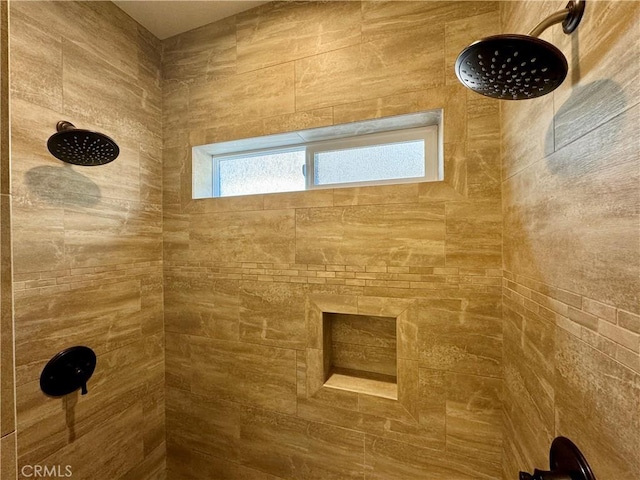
point(381, 129)
point(428, 133)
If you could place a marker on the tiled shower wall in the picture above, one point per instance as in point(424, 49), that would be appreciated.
point(7, 404)
point(571, 182)
point(87, 253)
point(239, 272)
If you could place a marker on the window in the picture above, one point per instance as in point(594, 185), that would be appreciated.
point(327, 157)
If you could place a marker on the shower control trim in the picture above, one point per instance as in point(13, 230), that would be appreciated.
point(566, 462)
point(68, 371)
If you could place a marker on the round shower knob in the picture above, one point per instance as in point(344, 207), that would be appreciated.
point(68, 371)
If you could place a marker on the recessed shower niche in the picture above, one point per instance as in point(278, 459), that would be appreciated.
point(360, 353)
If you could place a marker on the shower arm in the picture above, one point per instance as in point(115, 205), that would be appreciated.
point(570, 18)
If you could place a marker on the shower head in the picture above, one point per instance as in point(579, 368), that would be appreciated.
point(81, 147)
point(518, 67)
point(511, 67)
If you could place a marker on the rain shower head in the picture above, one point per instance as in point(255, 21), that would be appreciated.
point(81, 147)
point(518, 67)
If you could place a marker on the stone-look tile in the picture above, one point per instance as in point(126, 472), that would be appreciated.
point(201, 54)
point(591, 386)
point(474, 413)
point(118, 42)
point(284, 31)
point(194, 465)
point(254, 95)
point(314, 198)
point(112, 232)
point(300, 120)
point(572, 221)
point(382, 235)
point(178, 361)
point(603, 72)
point(120, 382)
point(102, 318)
point(203, 423)
point(197, 304)
point(376, 195)
point(111, 450)
point(369, 70)
point(391, 460)
point(8, 463)
point(7, 406)
point(175, 120)
point(387, 19)
point(153, 417)
point(236, 371)
point(461, 335)
point(373, 226)
point(150, 164)
point(106, 219)
point(273, 314)
point(474, 234)
point(36, 61)
point(293, 448)
point(267, 236)
point(104, 97)
point(153, 467)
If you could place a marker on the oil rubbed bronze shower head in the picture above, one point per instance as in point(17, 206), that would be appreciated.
point(81, 147)
point(518, 67)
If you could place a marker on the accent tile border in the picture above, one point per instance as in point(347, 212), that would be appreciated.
point(610, 330)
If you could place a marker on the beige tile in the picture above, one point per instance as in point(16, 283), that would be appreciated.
point(236, 98)
point(474, 234)
point(200, 54)
point(194, 464)
point(203, 423)
point(197, 304)
point(267, 236)
point(290, 447)
point(368, 70)
point(46, 324)
point(36, 60)
point(384, 235)
point(104, 97)
point(273, 314)
point(236, 372)
point(380, 194)
point(7, 368)
point(50, 426)
point(461, 335)
point(153, 467)
point(474, 417)
point(385, 19)
point(8, 464)
point(591, 386)
point(603, 72)
point(109, 452)
point(315, 198)
point(392, 460)
point(282, 31)
point(585, 241)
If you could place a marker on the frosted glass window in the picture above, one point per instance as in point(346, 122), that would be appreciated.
point(260, 173)
point(401, 149)
point(370, 163)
